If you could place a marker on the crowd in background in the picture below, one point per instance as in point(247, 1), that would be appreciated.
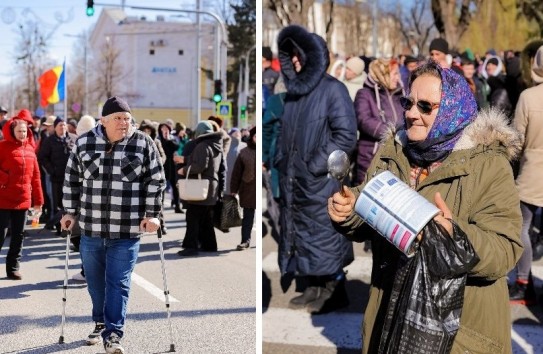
point(46, 144)
point(505, 80)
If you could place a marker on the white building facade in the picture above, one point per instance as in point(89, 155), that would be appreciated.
point(155, 65)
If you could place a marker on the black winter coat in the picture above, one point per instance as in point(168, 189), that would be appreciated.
point(206, 159)
point(318, 119)
point(54, 153)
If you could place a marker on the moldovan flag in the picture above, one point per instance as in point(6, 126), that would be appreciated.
point(52, 86)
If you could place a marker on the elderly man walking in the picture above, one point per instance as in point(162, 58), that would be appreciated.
point(113, 187)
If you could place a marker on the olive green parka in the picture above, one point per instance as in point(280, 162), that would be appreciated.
point(476, 182)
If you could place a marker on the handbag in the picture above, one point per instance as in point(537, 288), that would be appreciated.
point(227, 213)
point(193, 189)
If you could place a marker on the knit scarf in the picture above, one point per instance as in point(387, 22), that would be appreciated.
point(457, 110)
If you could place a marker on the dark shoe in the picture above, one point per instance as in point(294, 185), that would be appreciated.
point(243, 246)
point(178, 210)
point(15, 275)
point(96, 336)
point(522, 294)
point(188, 252)
point(310, 294)
point(112, 345)
point(330, 298)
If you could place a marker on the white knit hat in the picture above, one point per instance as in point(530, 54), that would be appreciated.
point(85, 124)
point(537, 66)
point(356, 65)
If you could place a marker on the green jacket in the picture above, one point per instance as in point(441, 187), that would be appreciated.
point(476, 182)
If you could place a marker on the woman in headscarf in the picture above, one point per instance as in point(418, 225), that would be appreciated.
point(20, 186)
point(460, 160)
point(377, 106)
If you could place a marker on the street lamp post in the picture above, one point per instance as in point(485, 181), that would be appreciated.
point(246, 88)
point(86, 93)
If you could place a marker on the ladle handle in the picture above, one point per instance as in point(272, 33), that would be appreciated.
point(341, 190)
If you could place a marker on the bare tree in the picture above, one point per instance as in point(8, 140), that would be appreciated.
point(353, 22)
point(291, 11)
point(109, 70)
point(415, 25)
point(329, 15)
point(452, 17)
point(31, 50)
point(533, 10)
point(76, 78)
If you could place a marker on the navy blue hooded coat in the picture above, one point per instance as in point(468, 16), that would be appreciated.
point(318, 118)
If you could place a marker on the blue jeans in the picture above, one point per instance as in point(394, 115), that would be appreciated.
point(108, 267)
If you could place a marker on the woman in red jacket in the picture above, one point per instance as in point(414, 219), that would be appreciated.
point(20, 185)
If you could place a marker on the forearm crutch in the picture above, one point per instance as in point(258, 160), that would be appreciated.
point(166, 291)
point(66, 234)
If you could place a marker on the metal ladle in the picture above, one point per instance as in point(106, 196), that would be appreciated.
point(338, 167)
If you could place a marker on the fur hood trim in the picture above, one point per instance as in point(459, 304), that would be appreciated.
point(489, 126)
point(313, 55)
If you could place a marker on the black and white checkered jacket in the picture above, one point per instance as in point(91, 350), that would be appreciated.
point(112, 191)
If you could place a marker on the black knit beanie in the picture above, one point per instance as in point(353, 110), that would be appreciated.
point(58, 120)
point(114, 105)
point(440, 44)
point(493, 61)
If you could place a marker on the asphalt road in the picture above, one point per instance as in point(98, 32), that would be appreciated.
point(213, 298)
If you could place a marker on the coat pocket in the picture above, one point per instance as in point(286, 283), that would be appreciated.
point(91, 164)
point(131, 167)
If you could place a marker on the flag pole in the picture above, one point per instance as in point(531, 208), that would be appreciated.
point(65, 91)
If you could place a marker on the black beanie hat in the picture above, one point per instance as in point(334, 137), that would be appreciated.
point(440, 44)
point(114, 105)
point(493, 61)
point(58, 120)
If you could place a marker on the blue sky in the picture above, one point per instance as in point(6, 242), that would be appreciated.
point(75, 22)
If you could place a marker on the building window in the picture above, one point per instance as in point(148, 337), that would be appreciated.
point(151, 52)
point(180, 51)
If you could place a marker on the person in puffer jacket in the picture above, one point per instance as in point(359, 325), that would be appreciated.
point(318, 119)
point(20, 185)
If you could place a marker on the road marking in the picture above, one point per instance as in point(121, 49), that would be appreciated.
point(151, 288)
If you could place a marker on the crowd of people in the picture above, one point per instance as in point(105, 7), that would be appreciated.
point(463, 131)
point(105, 181)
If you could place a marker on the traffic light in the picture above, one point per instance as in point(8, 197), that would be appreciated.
point(90, 8)
point(243, 110)
point(217, 93)
point(251, 104)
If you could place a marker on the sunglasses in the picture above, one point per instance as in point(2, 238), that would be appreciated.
point(423, 106)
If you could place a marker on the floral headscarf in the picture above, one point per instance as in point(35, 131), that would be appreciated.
point(457, 110)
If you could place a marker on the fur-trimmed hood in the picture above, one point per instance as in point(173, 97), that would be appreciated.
point(489, 126)
point(313, 55)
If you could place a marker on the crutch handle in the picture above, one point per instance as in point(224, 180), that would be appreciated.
point(66, 233)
